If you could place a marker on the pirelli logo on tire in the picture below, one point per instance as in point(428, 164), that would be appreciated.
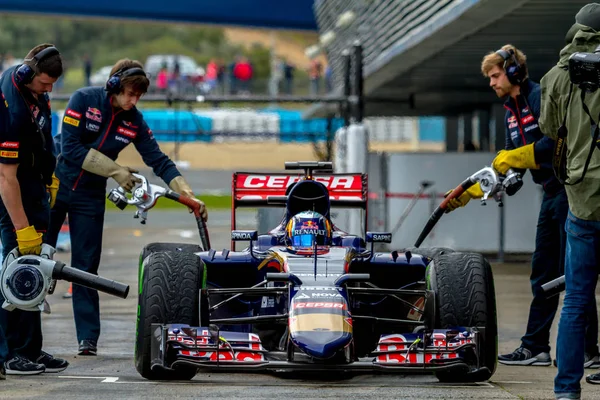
point(9, 154)
point(71, 121)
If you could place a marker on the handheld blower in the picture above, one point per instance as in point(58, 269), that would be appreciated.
point(25, 281)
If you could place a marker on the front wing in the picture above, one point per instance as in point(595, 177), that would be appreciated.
point(436, 350)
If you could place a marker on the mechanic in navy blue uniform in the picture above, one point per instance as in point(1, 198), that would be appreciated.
point(26, 174)
point(527, 148)
point(98, 123)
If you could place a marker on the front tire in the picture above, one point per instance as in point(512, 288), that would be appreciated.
point(465, 294)
point(169, 293)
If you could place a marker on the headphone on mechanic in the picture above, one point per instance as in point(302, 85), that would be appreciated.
point(25, 73)
point(113, 84)
point(514, 72)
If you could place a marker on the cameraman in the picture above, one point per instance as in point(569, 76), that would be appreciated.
point(563, 105)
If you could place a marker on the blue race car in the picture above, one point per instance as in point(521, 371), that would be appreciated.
point(307, 296)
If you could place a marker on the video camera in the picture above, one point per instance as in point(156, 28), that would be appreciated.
point(584, 70)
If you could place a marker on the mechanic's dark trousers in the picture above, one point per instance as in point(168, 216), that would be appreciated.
point(547, 264)
point(22, 329)
point(86, 221)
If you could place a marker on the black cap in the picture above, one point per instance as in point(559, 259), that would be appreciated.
point(589, 15)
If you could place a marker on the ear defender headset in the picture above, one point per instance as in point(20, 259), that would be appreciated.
point(113, 84)
point(25, 73)
point(514, 72)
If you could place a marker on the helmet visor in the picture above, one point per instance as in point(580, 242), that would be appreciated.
point(306, 240)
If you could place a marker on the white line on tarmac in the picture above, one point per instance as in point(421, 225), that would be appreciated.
point(106, 379)
point(514, 382)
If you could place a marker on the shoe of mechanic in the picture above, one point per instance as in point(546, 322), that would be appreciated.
point(521, 158)
point(474, 192)
point(593, 379)
point(52, 189)
point(29, 240)
point(87, 348)
point(179, 185)
point(52, 364)
point(523, 356)
point(22, 366)
point(99, 164)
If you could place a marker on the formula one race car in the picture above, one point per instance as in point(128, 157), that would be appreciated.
point(307, 296)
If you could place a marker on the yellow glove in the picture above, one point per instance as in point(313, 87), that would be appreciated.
point(30, 241)
point(53, 190)
point(179, 185)
point(521, 157)
point(474, 192)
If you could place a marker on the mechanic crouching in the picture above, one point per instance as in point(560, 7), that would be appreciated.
point(527, 148)
point(570, 115)
point(98, 123)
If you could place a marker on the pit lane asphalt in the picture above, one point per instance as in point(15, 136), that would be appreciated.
point(111, 375)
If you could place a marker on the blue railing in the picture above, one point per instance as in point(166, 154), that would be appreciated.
point(285, 126)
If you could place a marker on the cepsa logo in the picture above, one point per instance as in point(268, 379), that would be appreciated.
point(282, 182)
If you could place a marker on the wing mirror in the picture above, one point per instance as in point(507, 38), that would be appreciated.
point(238, 236)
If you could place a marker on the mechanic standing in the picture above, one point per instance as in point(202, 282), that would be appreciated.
point(563, 112)
point(527, 148)
point(98, 123)
point(26, 174)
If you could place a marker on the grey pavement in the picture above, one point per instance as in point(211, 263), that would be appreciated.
point(112, 375)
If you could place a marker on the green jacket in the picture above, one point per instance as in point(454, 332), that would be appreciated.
point(584, 198)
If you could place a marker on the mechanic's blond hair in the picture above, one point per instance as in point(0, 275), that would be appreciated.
point(492, 59)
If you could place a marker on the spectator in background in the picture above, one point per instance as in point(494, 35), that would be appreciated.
point(315, 71)
point(87, 69)
point(277, 70)
point(328, 78)
point(162, 80)
point(243, 73)
point(232, 79)
point(221, 76)
point(212, 74)
point(289, 77)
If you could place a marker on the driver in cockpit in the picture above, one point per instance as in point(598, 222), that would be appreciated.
point(306, 229)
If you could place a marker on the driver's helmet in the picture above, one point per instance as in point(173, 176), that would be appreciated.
point(308, 228)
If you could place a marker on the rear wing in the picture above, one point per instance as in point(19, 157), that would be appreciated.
point(251, 189)
point(257, 190)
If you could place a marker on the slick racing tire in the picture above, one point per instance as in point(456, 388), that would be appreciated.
point(465, 296)
point(169, 293)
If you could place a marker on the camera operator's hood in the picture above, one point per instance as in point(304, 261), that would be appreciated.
point(585, 40)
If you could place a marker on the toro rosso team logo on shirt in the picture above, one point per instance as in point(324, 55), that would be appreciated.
point(129, 125)
point(93, 114)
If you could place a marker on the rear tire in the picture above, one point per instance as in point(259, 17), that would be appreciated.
point(465, 295)
point(170, 293)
